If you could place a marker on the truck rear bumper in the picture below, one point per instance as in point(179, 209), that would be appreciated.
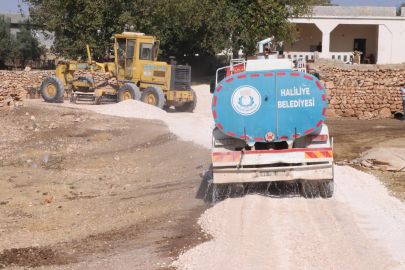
point(244, 175)
point(273, 165)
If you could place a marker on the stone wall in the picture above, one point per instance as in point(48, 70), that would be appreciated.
point(364, 94)
point(360, 93)
point(14, 85)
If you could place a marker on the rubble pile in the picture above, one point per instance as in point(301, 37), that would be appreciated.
point(18, 85)
point(365, 94)
point(371, 164)
point(380, 158)
point(14, 86)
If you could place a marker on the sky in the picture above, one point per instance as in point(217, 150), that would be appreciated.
point(12, 5)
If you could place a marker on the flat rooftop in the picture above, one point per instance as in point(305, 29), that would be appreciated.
point(342, 11)
point(15, 17)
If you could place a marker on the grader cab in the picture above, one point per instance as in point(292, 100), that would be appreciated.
point(139, 76)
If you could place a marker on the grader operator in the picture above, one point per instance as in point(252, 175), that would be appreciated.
point(139, 76)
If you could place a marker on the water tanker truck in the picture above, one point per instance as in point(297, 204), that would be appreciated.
point(269, 126)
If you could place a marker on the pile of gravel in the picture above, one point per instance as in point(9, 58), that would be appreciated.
point(135, 109)
point(196, 127)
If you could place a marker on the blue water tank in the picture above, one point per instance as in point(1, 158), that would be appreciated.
point(274, 105)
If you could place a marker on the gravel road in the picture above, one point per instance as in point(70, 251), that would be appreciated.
point(361, 227)
point(196, 127)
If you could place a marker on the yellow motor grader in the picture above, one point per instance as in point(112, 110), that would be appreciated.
point(138, 74)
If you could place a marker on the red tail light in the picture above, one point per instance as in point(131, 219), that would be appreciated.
point(319, 138)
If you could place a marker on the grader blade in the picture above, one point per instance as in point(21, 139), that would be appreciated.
point(83, 98)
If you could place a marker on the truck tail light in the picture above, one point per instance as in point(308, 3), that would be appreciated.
point(319, 138)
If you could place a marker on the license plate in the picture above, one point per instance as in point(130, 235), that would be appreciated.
point(225, 142)
point(280, 173)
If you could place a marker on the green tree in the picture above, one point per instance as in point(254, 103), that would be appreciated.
point(184, 27)
point(399, 8)
point(76, 23)
point(324, 3)
point(23, 45)
point(14, 50)
point(4, 38)
point(240, 24)
point(29, 46)
point(9, 46)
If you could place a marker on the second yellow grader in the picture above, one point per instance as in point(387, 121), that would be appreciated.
point(139, 76)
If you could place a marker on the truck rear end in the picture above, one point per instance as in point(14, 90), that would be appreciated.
point(270, 127)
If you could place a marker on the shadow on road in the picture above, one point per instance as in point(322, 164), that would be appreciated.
point(399, 116)
point(206, 179)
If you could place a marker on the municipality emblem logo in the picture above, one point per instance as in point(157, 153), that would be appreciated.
point(246, 100)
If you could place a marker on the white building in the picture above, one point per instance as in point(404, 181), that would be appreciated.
point(17, 18)
point(376, 31)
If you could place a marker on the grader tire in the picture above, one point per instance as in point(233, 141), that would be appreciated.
point(189, 106)
point(128, 91)
point(153, 95)
point(52, 89)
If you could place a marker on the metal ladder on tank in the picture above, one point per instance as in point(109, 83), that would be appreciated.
point(300, 64)
point(234, 62)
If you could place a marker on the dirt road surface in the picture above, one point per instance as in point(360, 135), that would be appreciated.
point(126, 185)
point(362, 227)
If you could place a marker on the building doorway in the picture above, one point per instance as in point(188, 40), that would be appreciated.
point(360, 45)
